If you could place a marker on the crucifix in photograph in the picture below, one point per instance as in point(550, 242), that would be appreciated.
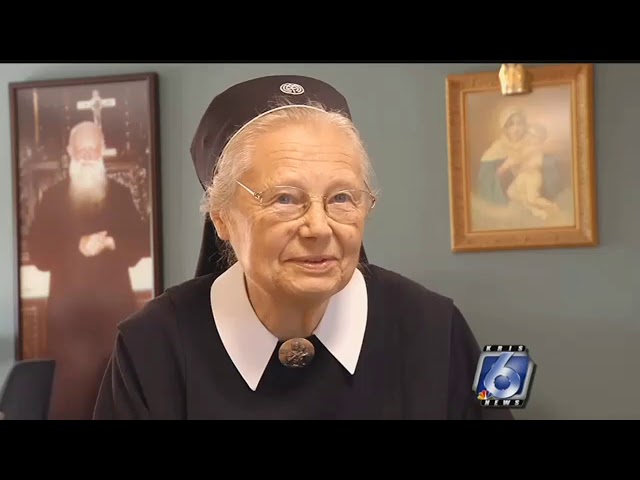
point(96, 103)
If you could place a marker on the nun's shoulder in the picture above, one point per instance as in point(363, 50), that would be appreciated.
point(404, 294)
point(427, 321)
point(161, 315)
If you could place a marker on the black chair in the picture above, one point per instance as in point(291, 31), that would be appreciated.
point(26, 393)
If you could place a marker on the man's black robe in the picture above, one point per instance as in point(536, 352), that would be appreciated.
point(88, 296)
point(418, 361)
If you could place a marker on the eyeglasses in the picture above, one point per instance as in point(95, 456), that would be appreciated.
point(290, 203)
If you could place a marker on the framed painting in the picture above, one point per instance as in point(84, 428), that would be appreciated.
point(522, 165)
point(87, 216)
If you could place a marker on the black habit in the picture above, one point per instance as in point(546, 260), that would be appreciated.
point(418, 361)
point(88, 296)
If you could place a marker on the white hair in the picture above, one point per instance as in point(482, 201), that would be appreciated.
point(236, 158)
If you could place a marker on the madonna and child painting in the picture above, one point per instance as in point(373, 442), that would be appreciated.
point(521, 165)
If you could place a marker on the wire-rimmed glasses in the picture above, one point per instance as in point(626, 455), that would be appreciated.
point(290, 203)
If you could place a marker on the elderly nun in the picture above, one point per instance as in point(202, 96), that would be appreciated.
point(286, 318)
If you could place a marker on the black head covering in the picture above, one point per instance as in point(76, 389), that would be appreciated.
point(230, 111)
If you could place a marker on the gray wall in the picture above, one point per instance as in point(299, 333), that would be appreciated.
point(574, 309)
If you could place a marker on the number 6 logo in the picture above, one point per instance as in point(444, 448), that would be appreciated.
point(499, 369)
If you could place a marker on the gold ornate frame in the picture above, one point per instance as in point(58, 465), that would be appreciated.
point(584, 231)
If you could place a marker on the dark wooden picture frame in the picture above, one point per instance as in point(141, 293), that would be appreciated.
point(88, 239)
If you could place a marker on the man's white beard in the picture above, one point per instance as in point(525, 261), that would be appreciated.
point(88, 185)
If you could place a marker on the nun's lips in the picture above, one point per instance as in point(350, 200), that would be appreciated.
point(315, 264)
point(313, 259)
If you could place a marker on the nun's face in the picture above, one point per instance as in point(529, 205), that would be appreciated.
point(309, 257)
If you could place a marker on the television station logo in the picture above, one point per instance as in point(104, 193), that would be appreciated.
point(503, 376)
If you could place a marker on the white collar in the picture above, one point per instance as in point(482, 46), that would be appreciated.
point(249, 343)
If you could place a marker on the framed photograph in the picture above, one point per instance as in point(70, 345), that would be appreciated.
point(87, 210)
point(521, 166)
